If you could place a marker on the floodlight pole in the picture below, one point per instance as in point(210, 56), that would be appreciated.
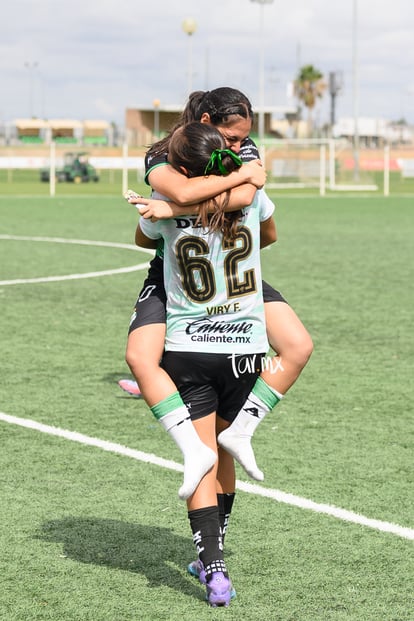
point(334, 88)
point(355, 87)
point(52, 172)
point(31, 66)
point(156, 103)
point(261, 124)
point(189, 26)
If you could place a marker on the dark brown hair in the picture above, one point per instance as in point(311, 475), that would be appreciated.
point(222, 105)
point(190, 148)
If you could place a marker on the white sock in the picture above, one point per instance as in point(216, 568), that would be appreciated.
point(236, 439)
point(198, 457)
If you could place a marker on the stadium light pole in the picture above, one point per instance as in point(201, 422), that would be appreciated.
point(189, 26)
point(335, 86)
point(261, 126)
point(31, 66)
point(156, 103)
point(355, 87)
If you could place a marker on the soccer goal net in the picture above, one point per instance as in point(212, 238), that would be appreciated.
point(318, 163)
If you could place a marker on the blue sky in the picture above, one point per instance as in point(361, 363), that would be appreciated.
point(93, 60)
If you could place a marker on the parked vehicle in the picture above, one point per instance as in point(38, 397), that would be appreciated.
point(76, 169)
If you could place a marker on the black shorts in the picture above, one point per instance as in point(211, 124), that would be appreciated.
point(270, 294)
point(213, 382)
point(152, 299)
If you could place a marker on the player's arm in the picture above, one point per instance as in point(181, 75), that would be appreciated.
point(268, 232)
point(143, 241)
point(237, 198)
point(189, 191)
point(158, 209)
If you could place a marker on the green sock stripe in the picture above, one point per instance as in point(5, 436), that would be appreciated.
point(167, 405)
point(265, 394)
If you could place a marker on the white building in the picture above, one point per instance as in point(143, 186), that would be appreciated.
point(373, 132)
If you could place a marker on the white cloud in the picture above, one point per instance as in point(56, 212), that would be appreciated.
point(98, 58)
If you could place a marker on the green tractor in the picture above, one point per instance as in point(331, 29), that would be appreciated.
point(76, 169)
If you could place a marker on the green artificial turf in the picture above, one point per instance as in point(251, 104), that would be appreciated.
point(87, 534)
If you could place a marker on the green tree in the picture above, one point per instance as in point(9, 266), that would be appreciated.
point(309, 86)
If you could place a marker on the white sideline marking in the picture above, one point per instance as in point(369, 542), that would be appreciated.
point(64, 240)
point(249, 488)
point(121, 270)
point(112, 447)
point(341, 514)
point(82, 242)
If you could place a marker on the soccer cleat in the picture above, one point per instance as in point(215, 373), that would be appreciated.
point(218, 590)
point(130, 387)
point(196, 569)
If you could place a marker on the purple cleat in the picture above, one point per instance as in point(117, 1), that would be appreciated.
point(196, 569)
point(218, 590)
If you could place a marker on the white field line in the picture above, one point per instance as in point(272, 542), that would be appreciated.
point(64, 240)
point(82, 242)
point(121, 270)
point(277, 495)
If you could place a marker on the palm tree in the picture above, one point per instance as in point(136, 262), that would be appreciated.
point(309, 86)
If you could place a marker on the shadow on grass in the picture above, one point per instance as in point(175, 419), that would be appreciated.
point(155, 552)
point(112, 378)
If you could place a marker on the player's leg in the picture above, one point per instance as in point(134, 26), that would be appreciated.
point(144, 351)
point(289, 338)
point(225, 489)
point(203, 514)
point(146, 336)
point(232, 393)
point(226, 481)
point(145, 347)
point(225, 493)
point(229, 392)
point(293, 344)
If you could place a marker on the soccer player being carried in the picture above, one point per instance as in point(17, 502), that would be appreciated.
point(215, 322)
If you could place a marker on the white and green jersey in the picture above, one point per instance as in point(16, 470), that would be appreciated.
point(214, 288)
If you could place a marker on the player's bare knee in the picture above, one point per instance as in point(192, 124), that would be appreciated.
point(131, 359)
point(304, 351)
point(298, 353)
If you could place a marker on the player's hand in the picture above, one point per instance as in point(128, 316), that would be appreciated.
point(132, 197)
point(155, 209)
point(256, 174)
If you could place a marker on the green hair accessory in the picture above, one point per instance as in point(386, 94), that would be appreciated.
point(216, 161)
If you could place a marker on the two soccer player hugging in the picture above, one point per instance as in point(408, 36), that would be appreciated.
point(205, 314)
